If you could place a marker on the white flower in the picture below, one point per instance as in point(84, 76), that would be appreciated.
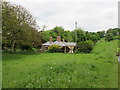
point(51, 68)
point(37, 81)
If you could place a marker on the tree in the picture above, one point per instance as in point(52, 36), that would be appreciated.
point(95, 37)
point(114, 31)
point(109, 37)
point(67, 36)
point(59, 31)
point(19, 27)
point(45, 36)
point(78, 34)
point(88, 36)
point(101, 33)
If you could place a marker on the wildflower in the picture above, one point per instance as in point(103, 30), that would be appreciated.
point(37, 81)
point(51, 68)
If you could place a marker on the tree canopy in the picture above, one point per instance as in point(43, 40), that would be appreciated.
point(19, 28)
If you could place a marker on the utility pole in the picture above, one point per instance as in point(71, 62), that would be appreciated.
point(76, 36)
point(76, 25)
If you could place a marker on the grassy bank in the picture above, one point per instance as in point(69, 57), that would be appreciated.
point(98, 69)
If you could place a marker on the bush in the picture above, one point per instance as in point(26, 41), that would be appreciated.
point(26, 47)
point(85, 46)
point(53, 48)
point(109, 37)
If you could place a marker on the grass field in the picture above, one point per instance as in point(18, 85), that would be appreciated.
point(47, 70)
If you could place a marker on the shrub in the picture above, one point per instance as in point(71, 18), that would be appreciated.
point(85, 46)
point(109, 37)
point(53, 48)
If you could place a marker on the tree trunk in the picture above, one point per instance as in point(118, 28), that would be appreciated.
point(13, 46)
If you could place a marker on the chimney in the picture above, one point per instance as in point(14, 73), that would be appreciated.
point(63, 40)
point(50, 39)
point(58, 38)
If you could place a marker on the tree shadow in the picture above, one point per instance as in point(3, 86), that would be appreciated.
point(11, 56)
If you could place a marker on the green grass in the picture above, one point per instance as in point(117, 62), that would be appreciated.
point(98, 69)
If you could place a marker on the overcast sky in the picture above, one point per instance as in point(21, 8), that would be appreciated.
point(91, 15)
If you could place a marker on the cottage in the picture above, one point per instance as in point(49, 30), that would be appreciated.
point(60, 43)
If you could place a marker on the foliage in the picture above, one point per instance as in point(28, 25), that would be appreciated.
point(95, 38)
point(45, 35)
point(101, 33)
point(112, 34)
point(69, 36)
point(53, 48)
point(19, 28)
point(109, 37)
point(85, 46)
point(78, 35)
point(118, 50)
point(114, 31)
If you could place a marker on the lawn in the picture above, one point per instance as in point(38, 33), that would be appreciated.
point(98, 69)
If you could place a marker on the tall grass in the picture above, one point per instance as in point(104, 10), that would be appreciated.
point(58, 70)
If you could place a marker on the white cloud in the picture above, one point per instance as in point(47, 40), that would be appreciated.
point(92, 15)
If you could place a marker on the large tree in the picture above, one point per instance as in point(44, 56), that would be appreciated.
point(19, 27)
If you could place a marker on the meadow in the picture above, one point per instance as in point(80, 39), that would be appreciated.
point(98, 69)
